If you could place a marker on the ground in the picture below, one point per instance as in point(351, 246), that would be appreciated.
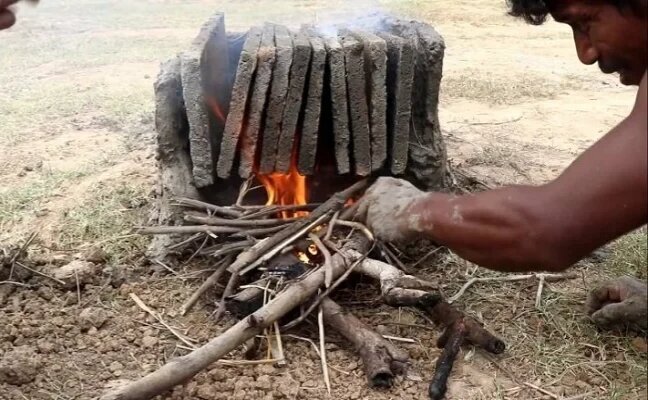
point(77, 167)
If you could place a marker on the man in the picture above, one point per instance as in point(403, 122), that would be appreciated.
point(600, 197)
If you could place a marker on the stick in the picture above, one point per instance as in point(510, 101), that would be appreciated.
point(211, 281)
point(538, 301)
point(60, 282)
point(165, 230)
point(509, 278)
point(232, 247)
point(158, 317)
point(322, 343)
point(381, 359)
point(269, 210)
point(356, 225)
point(401, 290)
point(541, 390)
point(20, 251)
point(328, 273)
point(183, 368)
point(201, 205)
point(237, 223)
point(455, 338)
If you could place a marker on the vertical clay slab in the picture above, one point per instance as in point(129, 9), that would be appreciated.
point(339, 103)
point(313, 109)
point(358, 108)
point(427, 158)
point(375, 58)
point(400, 75)
point(235, 117)
point(175, 175)
point(200, 142)
point(254, 118)
point(277, 101)
point(216, 80)
point(293, 107)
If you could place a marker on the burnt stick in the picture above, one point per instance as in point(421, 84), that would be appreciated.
point(454, 338)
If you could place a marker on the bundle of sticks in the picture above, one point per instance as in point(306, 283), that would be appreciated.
point(273, 291)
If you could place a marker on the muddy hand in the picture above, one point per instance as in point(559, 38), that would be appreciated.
point(384, 208)
point(620, 304)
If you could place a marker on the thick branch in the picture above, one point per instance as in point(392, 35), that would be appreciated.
point(382, 360)
point(400, 290)
point(184, 368)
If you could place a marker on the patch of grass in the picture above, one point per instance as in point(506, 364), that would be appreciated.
point(19, 201)
point(629, 255)
point(106, 219)
point(472, 84)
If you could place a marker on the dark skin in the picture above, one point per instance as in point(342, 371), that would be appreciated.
point(602, 195)
point(598, 198)
point(7, 17)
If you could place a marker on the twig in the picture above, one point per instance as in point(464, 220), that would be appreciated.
point(541, 390)
point(78, 286)
point(273, 252)
point(237, 223)
point(211, 281)
point(399, 339)
point(322, 343)
point(166, 230)
point(20, 251)
point(331, 225)
point(60, 282)
point(328, 290)
point(538, 301)
point(232, 247)
point(159, 319)
point(392, 257)
point(15, 284)
point(227, 212)
point(245, 186)
point(425, 257)
point(185, 242)
point(180, 369)
point(277, 209)
point(356, 225)
point(509, 278)
point(195, 253)
point(328, 272)
point(163, 265)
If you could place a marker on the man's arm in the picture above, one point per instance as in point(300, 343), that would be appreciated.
point(601, 196)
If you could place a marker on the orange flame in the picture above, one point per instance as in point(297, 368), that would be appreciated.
point(282, 189)
point(286, 189)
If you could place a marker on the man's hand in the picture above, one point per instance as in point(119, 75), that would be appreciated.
point(384, 208)
point(7, 17)
point(620, 304)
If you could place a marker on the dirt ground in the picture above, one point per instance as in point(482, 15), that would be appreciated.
point(77, 167)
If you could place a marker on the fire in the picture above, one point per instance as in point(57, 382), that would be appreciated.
point(286, 189)
point(282, 189)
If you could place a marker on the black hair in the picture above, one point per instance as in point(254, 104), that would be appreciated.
point(535, 11)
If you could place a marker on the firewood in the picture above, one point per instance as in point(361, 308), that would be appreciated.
point(381, 359)
point(181, 369)
point(453, 338)
point(238, 223)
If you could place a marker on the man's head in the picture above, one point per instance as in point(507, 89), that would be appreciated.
point(610, 32)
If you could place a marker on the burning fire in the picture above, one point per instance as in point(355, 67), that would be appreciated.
point(282, 189)
point(286, 189)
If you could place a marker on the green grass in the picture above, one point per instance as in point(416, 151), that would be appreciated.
point(20, 201)
point(106, 219)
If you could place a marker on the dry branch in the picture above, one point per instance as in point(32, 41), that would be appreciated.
point(201, 205)
point(211, 281)
point(237, 223)
point(451, 342)
point(184, 368)
point(399, 289)
point(381, 359)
